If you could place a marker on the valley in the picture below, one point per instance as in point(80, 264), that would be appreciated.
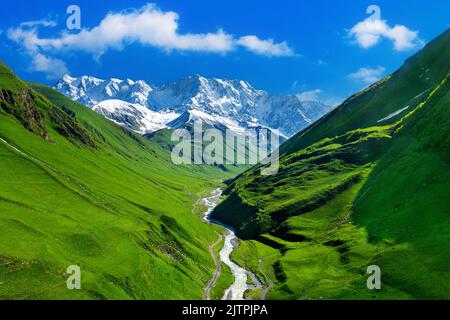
point(88, 180)
point(76, 189)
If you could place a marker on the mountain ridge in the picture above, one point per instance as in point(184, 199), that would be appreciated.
point(233, 100)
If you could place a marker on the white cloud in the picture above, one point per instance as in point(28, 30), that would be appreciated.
point(54, 68)
point(333, 101)
point(319, 95)
point(368, 75)
point(265, 47)
point(370, 32)
point(36, 23)
point(148, 26)
point(311, 95)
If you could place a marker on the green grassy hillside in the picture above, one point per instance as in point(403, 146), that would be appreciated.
point(406, 87)
point(76, 189)
point(354, 191)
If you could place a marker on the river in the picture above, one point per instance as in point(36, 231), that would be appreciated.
point(237, 290)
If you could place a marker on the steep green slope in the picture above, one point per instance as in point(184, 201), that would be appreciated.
point(353, 191)
point(76, 189)
point(406, 87)
point(405, 200)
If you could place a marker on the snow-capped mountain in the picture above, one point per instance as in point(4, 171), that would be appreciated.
point(90, 91)
point(224, 104)
point(214, 96)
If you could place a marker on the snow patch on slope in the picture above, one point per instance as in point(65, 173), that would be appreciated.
point(392, 115)
point(134, 116)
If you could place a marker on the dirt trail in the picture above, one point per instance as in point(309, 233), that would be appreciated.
point(218, 264)
point(269, 286)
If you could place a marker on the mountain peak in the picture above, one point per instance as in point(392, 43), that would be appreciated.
point(90, 90)
point(67, 78)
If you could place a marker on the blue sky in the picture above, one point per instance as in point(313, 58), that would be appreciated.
point(318, 49)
